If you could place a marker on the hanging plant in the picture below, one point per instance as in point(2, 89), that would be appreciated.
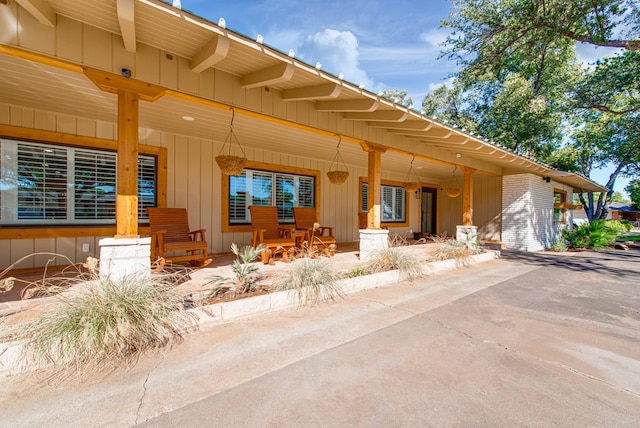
point(452, 187)
point(231, 164)
point(340, 174)
point(412, 182)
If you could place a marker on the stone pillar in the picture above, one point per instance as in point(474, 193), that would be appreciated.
point(467, 235)
point(372, 241)
point(121, 257)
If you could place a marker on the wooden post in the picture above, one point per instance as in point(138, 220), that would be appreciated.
point(127, 193)
point(374, 168)
point(467, 196)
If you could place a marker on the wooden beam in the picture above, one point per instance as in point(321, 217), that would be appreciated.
point(268, 76)
point(374, 182)
point(348, 105)
point(378, 116)
point(433, 133)
point(127, 193)
point(328, 90)
point(214, 51)
point(126, 19)
point(467, 196)
point(40, 10)
point(114, 83)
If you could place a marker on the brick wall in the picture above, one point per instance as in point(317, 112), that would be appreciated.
point(527, 212)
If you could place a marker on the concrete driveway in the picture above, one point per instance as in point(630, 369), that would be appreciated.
point(527, 340)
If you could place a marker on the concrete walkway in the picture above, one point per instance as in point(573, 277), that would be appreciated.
point(530, 339)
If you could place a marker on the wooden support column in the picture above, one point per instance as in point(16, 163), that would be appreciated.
point(373, 181)
point(467, 196)
point(127, 199)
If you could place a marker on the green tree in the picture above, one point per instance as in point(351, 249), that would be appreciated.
point(520, 82)
point(397, 96)
point(619, 197)
point(633, 189)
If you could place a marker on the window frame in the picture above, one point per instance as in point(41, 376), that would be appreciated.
point(35, 231)
point(561, 206)
point(228, 227)
point(390, 183)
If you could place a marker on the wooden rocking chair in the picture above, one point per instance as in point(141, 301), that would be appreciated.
point(170, 233)
point(317, 241)
point(266, 230)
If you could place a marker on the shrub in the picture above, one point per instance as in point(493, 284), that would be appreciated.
point(595, 234)
point(396, 258)
point(106, 325)
point(312, 279)
point(356, 271)
point(560, 245)
point(246, 274)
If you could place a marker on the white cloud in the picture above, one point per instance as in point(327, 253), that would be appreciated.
point(337, 51)
point(434, 37)
point(433, 86)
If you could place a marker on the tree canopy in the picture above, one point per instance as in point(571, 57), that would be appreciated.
point(521, 85)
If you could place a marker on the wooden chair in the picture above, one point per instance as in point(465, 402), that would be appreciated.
point(266, 230)
point(170, 233)
point(305, 219)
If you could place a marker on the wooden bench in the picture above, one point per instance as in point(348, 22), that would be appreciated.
point(170, 234)
point(278, 240)
point(306, 221)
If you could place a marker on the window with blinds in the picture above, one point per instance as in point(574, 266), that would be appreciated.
point(49, 184)
point(256, 187)
point(393, 202)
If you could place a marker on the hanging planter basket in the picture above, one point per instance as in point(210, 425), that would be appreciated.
point(412, 182)
point(338, 177)
point(452, 192)
point(412, 186)
point(452, 186)
point(231, 164)
point(340, 174)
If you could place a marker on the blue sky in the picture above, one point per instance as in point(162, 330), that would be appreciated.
point(383, 44)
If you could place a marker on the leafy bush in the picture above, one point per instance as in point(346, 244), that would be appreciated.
point(312, 279)
point(356, 271)
point(396, 258)
point(596, 234)
point(106, 325)
point(560, 245)
point(246, 274)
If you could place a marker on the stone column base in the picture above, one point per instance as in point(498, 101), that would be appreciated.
point(372, 241)
point(121, 257)
point(468, 235)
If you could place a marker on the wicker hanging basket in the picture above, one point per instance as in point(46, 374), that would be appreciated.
point(411, 186)
point(412, 182)
point(340, 174)
point(337, 177)
point(452, 192)
point(230, 164)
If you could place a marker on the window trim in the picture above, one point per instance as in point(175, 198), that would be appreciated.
point(226, 227)
point(407, 204)
point(71, 140)
point(562, 206)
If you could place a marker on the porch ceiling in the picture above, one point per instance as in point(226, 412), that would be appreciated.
point(205, 44)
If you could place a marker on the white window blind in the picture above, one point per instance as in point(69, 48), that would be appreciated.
point(50, 184)
point(284, 191)
point(393, 200)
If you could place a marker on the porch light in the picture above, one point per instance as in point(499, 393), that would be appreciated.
point(452, 187)
point(340, 174)
point(412, 182)
point(230, 164)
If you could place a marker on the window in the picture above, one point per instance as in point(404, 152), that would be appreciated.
point(559, 206)
point(393, 200)
point(280, 189)
point(50, 184)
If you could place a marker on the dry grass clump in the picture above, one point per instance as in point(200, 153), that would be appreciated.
point(105, 325)
point(397, 258)
point(448, 248)
point(312, 279)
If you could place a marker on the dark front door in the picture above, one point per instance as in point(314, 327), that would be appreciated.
point(429, 210)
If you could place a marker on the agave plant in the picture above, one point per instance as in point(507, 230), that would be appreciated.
point(245, 273)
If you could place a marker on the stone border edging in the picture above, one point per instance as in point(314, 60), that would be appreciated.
point(220, 313)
